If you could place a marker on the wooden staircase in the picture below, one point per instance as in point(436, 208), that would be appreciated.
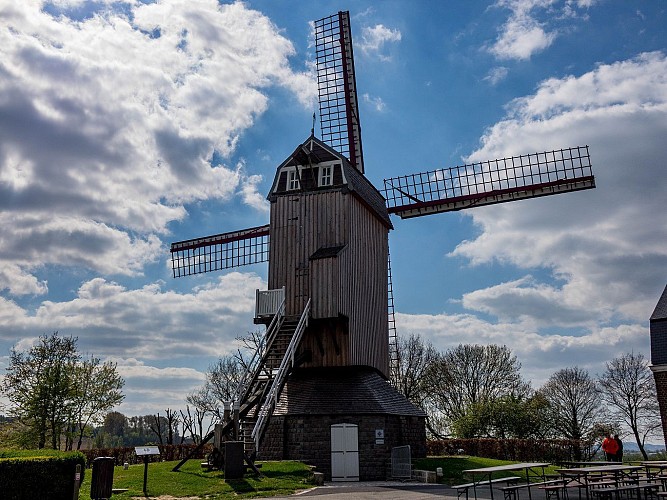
point(258, 392)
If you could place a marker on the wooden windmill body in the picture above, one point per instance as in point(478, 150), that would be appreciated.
point(317, 388)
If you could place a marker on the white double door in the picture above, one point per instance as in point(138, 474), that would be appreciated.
point(344, 452)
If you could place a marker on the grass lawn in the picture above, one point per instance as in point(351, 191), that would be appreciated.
point(453, 467)
point(279, 478)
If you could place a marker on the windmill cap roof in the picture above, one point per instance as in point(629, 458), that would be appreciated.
point(314, 151)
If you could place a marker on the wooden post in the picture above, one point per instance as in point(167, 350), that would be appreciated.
point(237, 406)
point(145, 472)
point(77, 482)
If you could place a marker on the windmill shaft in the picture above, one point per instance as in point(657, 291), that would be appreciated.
point(490, 182)
point(220, 251)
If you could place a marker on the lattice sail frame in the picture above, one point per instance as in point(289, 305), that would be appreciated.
point(337, 87)
point(490, 182)
point(220, 251)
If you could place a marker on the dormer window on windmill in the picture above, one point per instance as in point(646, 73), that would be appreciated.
point(293, 179)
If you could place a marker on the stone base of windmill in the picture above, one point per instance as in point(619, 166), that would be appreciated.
point(354, 405)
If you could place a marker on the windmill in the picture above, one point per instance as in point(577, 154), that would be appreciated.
point(316, 389)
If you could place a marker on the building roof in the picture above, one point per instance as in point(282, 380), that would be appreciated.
point(660, 312)
point(342, 391)
point(314, 151)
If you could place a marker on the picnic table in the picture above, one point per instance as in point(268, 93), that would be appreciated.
point(588, 477)
point(484, 475)
point(589, 464)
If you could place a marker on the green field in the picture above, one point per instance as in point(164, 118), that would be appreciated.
point(279, 478)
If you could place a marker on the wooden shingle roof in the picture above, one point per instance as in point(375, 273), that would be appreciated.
point(342, 391)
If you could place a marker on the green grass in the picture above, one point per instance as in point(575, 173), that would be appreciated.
point(453, 467)
point(279, 478)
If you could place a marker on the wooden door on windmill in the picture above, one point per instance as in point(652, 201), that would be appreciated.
point(344, 452)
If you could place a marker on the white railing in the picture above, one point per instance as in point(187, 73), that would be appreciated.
point(255, 362)
point(287, 362)
point(267, 302)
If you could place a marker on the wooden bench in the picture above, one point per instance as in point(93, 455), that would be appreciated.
point(463, 488)
point(648, 488)
point(510, 491)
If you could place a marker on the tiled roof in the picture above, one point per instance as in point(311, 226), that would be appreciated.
point(342, 390)
point(660, 312)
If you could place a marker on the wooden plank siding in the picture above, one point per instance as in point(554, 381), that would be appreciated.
point(349, 290)
point(366, 293)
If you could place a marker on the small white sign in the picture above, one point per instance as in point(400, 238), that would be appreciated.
point(146, 450)
point(379, 436)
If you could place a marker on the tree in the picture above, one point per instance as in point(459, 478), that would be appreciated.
point(470, 374)
point(629, 389)
point(97, 389)
point(574, 400)
point(51, 389)
point(414, 360)
point(505, 417)
point(222, 380)
point(115, 424)
point(39, 383)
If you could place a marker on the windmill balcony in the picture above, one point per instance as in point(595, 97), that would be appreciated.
point(267, 304)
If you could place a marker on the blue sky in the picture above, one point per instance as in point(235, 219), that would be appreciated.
point(127, 125)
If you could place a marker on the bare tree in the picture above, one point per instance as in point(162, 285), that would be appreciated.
point(466, 375)
point(629, 389)
point(415, 357)
point(172, 424)
point(574, 399)
point(194, 423)
point(157, 425)
point(222, 380)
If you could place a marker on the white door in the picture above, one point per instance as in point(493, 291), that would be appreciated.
point(344, 452)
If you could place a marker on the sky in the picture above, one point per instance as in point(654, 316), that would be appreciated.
point(127, 125)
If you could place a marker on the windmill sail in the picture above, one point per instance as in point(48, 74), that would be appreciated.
point(337, 87)
point(490, 182)
point(220, 251)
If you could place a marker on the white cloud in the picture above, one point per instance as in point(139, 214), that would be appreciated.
point(607, 246)
point(148, 322)
point(110, 123)
point(521, 37)
point(376, 102)
point(375, 38)
point(540, 354)
point(524, 34)
point(496, 75)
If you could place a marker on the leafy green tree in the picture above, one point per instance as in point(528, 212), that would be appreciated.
point(467, 375)
point(51, 390)
point(38, 384)
point(97, 389)
point(505, 417)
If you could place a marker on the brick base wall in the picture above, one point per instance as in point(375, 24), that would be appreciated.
point(661, 386)
point(308, 438)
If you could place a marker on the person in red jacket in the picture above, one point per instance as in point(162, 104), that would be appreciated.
point(610, 448)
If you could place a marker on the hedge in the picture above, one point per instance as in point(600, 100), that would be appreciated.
point(47, 476)
point(127, 454)
point(549, 450)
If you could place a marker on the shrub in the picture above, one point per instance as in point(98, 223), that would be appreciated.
point(48, 476)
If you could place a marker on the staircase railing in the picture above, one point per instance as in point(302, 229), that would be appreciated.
point(287, 362)
point(255, 364)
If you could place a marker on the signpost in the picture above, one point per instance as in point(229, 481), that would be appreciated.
point(146, 451)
